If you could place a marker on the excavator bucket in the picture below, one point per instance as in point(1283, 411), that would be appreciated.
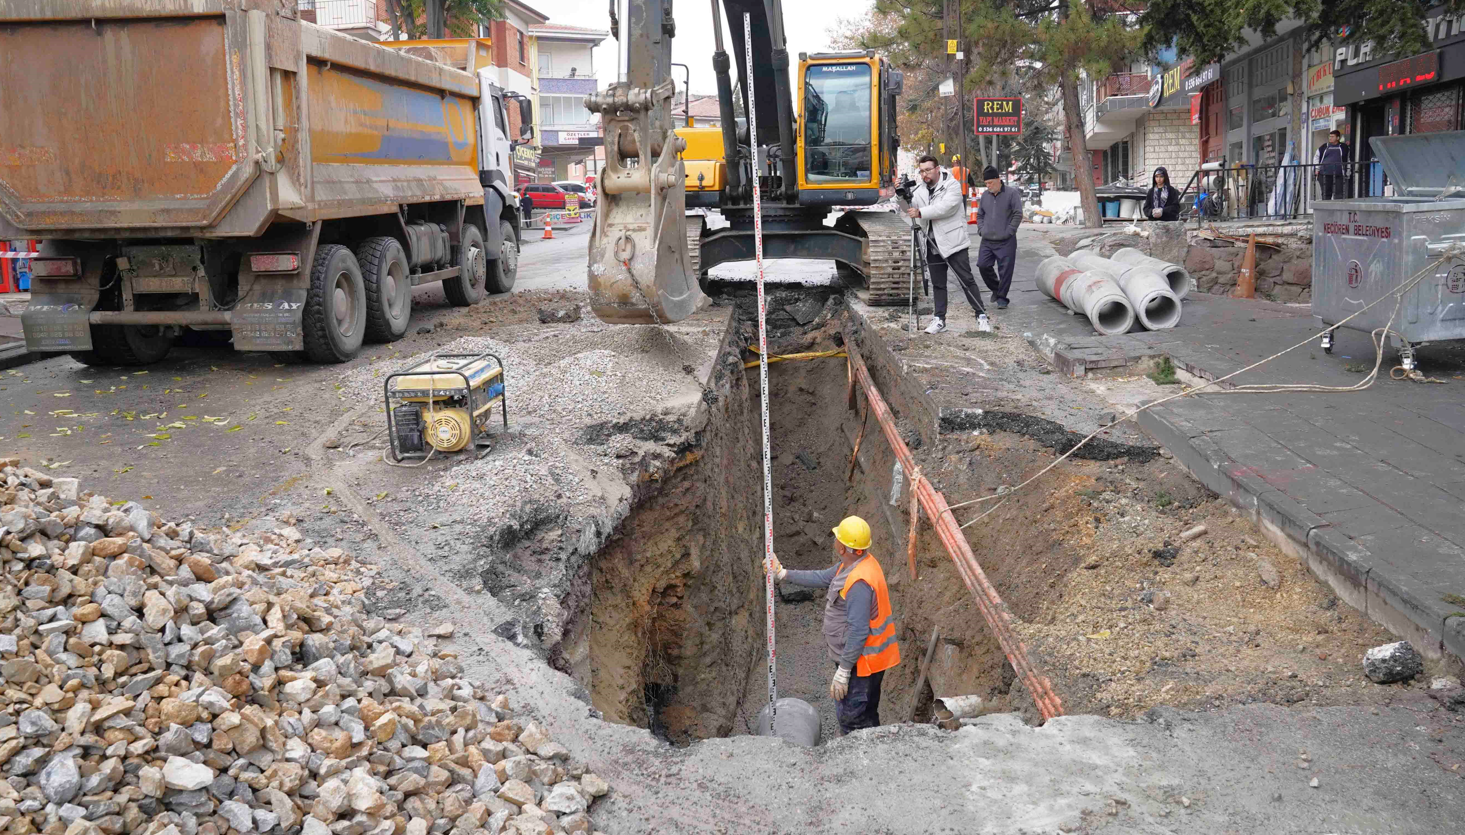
point(639, 270)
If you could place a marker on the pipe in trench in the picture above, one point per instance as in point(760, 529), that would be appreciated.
point(1148, 292)
point(994, 611)
point(1175, 275)
point(1094, 295)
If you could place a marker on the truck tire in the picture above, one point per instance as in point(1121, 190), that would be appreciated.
point(127, 345)
point(388, 283)
point(467, 287)
point(505, 268)
point(334, 319)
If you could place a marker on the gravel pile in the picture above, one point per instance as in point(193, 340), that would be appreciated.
point(170, 681)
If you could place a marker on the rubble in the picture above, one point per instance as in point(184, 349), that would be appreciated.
point(1389, 663)
point(163, 680)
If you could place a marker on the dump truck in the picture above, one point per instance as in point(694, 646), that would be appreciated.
point(223, 166)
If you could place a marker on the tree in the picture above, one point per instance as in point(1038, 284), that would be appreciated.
point(441, 18)
point(1211, 29)
point(1030, 151)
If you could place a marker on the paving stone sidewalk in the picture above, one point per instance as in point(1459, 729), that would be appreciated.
point(1368, 487)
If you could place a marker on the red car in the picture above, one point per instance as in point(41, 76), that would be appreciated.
point(543, 195)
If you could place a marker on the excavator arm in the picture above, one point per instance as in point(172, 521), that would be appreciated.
point(639, 271)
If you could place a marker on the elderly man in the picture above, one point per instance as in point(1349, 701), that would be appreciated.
point(858, 624)
point(999, 213)
point(938, 210)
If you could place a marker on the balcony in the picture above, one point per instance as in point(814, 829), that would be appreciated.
point(1119, 100)
point(363, 18)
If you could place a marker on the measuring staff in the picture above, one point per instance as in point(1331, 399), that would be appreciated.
point(858, 623)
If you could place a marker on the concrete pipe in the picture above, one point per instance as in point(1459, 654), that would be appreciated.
point(1095, 295)
point(1178, 276)
point(1148, 291)
point(798, 722)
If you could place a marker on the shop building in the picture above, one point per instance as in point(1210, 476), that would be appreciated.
point(1389, 94)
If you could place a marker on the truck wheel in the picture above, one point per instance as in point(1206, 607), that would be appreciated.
point(388, 288)
point(467, 287)
point(505, 268)
point(334, 320)
point(128, 345)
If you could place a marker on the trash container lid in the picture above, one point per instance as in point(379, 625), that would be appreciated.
point(1424, 164)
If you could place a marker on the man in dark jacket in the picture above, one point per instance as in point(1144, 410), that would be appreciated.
point(999, 213)
point(1332, 167)
point(1162, 202)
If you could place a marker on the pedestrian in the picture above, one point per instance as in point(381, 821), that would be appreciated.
point(938, 212)
point(1332, 167)
point(1162, 201)
point(859, 626)
point(999, 213)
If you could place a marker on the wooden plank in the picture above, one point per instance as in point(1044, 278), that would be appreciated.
point(910, 714)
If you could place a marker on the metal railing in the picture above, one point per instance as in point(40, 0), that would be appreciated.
point(1273, 192)
point(1123, 84)
point(339, 14)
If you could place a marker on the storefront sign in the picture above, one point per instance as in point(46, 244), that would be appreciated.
point(1410, 72)
point(1320, 79)
point(998, 116)
point(527, 155)
point(569, 136)
point(1174, 86)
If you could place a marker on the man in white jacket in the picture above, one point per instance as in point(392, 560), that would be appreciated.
point(938, 210)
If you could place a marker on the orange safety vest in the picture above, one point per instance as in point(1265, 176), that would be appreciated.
point(960, 174)
point(881, 650)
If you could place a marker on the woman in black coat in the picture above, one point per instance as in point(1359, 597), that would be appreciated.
point(1163, 200)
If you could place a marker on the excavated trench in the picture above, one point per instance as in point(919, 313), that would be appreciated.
point(676, 632)
point(672, 637)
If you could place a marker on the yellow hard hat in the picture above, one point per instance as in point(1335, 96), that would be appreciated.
point(955, 157)
point(854, 532)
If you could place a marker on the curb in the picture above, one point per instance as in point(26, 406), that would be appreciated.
point(1345, 565)
point(15, 355)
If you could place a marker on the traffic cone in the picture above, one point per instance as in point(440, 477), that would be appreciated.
point(1246, 279)
point(548, 230)
point(971, 216)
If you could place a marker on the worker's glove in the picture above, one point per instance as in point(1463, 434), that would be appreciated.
point(779, 572)
point(839, 688)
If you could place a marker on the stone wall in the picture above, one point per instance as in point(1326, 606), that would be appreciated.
point(1283, 275)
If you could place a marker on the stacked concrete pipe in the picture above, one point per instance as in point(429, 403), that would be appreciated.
point(1095, 295)
point(1177, 276)
point(1148, 292)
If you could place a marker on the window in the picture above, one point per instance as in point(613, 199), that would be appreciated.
point(1272, 66)
point(1233, 154)
point(546, 66)
point(1264, 105)
point(498, 114)
point(1116, 161)
point(1434, 110)
point(563, 110)
point(523, 56)
point(837, 123)
point(1237, 119)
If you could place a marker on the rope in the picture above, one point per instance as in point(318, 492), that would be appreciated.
point(1453, 251)
point(806, 355)
point(768, 578)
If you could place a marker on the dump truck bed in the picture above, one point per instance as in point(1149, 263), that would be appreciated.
point(214, 118)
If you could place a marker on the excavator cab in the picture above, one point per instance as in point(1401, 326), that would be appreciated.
point(846, 147)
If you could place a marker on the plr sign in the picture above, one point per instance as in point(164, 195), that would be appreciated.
point(998, 116)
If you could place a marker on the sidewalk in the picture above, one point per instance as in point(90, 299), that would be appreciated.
point(1367, 487)
point(12, 339)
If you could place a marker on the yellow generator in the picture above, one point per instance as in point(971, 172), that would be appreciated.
point(444, 402)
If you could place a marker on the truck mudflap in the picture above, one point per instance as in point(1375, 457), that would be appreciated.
point(268, 317)
point(58, 322)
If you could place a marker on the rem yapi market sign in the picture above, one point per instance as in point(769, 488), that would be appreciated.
point(998, 116)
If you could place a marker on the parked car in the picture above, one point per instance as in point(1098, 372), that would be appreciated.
point(587, 197)
point(543, 196)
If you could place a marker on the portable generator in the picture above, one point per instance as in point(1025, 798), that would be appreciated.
point(443, 404)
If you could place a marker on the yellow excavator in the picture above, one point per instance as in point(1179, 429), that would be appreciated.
point(647, 257)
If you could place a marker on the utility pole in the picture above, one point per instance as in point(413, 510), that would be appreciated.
point(966, 161)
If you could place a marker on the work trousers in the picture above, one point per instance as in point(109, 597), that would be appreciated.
point(961, 264)
point(860, 707)
point(1004, 255)
point(1332, 187)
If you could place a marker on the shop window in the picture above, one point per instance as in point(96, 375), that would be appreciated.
point(1434, 110)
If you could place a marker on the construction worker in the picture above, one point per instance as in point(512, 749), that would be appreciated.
point(959, 172)
point(858, 624)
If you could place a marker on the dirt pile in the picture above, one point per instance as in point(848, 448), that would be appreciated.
point(171, 681)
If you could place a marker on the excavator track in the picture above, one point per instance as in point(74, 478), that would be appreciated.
point(887, 257)
point(695, 224)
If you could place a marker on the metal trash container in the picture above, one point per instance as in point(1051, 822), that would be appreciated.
point(1363, 249)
